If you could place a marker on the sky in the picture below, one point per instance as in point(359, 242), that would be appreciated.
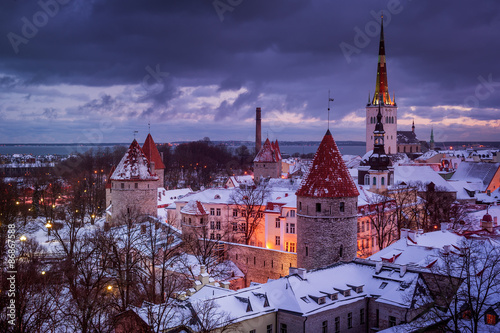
point(95, 71)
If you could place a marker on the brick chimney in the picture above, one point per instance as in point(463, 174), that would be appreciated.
point(258, 130)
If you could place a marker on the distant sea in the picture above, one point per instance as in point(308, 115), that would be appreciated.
point(73, 149)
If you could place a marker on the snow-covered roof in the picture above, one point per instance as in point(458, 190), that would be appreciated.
point(268, 153)
point(415, 173)
point(236, 181)
point(428, 154)
point(194, 207)
point(134, 165)
point(328, 176)
point(167, 197)
point(476, 171)
point(407, 137)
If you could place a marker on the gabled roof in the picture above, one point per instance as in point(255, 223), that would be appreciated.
point(328, 176)
point(407, 137)
point(269, 153)
point(476, 171)
point(134, 165)
point(151, 152)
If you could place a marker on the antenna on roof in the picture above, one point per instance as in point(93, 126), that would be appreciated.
point(135, 132)
point(329, 100)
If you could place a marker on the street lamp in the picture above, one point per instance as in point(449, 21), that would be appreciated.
point(48, 226)
point(23, 238)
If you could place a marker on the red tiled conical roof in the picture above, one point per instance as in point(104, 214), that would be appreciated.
point(151, 152)
point(268, 153)
point(328, 176)
point(134, 165)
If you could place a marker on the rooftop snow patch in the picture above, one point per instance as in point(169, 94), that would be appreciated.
point(134, 165)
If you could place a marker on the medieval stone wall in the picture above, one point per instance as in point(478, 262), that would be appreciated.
point(139, 197)
point(267, 169)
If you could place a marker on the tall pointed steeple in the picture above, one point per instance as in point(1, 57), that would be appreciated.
point(432, 144)
point(379, 160)
point(382, 86)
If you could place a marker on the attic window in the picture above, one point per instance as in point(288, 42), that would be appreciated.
point(305, 299)
point(382, 285)
point(217, 196)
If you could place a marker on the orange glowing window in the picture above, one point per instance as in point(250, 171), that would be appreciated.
point(491, 319)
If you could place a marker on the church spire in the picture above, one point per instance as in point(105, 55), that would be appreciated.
point(382, 87)
point(379, 160)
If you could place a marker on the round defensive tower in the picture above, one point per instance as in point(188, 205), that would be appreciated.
point(326, 210)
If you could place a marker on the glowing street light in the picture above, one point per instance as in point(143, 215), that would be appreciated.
point(43, 272)
point(48, 226)
point(23, 238)
point(110, 287)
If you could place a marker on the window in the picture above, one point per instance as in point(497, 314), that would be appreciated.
point(260, 215)
point(290, 230)
point(374, 181)
point(243, 213)
point(341, 250)
point(318, 207)
point(252, 331)
point(212, 211)
point(490, 319)
point(235, 212)
point(277, 240)
point(382, 181)
point(283, 328)
point(235, 226)
point(292, 247)
point(392, 321)
point(219, 236)
point(382, 285)
point(218, 211)
point(212, 236)
point(349, 320)
point(307, 251)
point(376, 318)
point(292, 213)
point(122, 185)
point(362, 316)
point(136, 185)
point(278, 224)
point(324, 326)
point(342, 207)
point(269, 329)
point(212, 225)
point(217, 225)
point(189, 220)
point(243, 227)
point(300, 206)
point(367, 179)
point(337, 324)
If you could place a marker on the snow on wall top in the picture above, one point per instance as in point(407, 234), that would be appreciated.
point(134, 165)
point(269, 153)
point(328, 176)
point(151, 152)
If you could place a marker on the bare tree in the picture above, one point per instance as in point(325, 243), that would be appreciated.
point(465, 282)
point(207, 316)
point(383, 219)
point(250, 202)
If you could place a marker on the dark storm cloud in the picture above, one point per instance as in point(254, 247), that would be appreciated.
point(437, 52)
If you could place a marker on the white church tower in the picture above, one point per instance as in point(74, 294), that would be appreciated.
point(388, 107)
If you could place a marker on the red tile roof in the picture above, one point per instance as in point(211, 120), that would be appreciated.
point(151, 152)
point(134, 165)
point(328, 176)
point(268, 153)
point(108, 180)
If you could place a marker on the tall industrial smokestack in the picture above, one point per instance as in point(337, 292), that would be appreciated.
point(258, 130)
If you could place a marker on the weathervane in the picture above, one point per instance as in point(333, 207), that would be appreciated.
point(329, 100)
point(135, 132)
point(149, 127)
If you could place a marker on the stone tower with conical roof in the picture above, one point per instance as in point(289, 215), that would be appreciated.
point(267, 163)
point(382, 98)
point(133, 186)
point(326, 210)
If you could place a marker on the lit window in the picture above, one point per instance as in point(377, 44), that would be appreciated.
point(292, 247)
point(491, 319)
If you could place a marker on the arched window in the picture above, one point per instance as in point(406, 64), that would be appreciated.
point(367, 179)
point(341, 250)
point(374, 181)
point(382, 181)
